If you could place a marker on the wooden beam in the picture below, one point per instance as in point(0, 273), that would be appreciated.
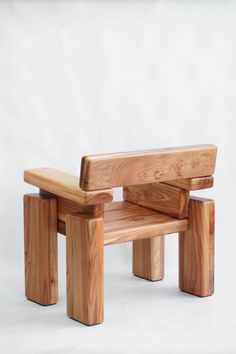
point(141, 167)
point(148, 258)
point(193, 184)
point(84, 254)
point(196, 249)
point(67, 207)
point(124, 221)
point(65, 185)
point(161, 197)
point(40, 236)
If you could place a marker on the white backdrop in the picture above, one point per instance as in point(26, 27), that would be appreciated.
point(83, 77)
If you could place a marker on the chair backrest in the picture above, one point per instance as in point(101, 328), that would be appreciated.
point(148, 166)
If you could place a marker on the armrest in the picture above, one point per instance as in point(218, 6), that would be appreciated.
point(65, 185)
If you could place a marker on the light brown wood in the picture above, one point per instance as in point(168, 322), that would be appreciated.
point(124, 221)
point(141, 167)
point(67, 207)
point(40, 240)
point(65, 185)
point(84, 245)
point(193, 184)
point(161, 197)
point(196, 249)
point(61, 228)
point(148, 258)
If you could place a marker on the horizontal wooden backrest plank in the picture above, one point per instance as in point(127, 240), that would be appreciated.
point(141, 167)
point(65, 185)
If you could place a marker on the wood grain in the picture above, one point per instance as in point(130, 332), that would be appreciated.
point(65, 185)
point(193, 184)
point(40, 241)
point(84, 252)
point(161, 197)
point(148, 258)
point(141, 167)
point(196, 249)
point(124, 221)
point(67, 207)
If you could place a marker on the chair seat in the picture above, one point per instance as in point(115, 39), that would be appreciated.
point(125, 221)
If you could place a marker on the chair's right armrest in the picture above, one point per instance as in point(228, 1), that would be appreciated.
point(65, 185)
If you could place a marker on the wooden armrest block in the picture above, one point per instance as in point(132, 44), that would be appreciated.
point(65, 185)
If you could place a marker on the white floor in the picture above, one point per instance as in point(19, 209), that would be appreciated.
point(140, 317)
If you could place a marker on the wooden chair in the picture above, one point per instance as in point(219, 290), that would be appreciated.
point(156, 190)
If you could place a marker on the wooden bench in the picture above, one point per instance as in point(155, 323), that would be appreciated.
point(156, 202)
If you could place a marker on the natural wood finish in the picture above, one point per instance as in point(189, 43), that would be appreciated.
point(65, 185)
point(61, 228)
point(193, 184)
point(148, 258)
point(196, 249)
point(141, 167)
point(124, 221)
point(84, 245)
point(40, 239)
point(166, 199)
point(66, 207)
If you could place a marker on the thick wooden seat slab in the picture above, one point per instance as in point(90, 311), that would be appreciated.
point(125, 221)
point(65, 185)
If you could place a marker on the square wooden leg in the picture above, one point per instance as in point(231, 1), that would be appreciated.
point(40, 241)
point(196, 249)
point(84, 243)
point(148, 258)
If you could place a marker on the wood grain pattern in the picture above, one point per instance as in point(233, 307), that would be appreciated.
point(124, 221)
point(193, 184)
point(148, 258)
point(84, 245)
point(161, 197)
point(196, 249)
point(67, 207)
point(65, 185)
point(141, 167)
point(40, 241)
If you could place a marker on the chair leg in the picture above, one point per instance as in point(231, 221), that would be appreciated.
point(148, 258)
point(84, 244)
point(40, 242)
point(196, 249)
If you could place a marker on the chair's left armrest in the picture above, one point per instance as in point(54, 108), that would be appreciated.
point(65, 185)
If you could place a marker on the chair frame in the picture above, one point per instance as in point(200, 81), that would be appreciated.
point(156, 192)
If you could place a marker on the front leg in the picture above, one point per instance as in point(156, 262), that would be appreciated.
point(84, 253)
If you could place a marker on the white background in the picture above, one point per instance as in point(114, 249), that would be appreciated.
point(82, 77)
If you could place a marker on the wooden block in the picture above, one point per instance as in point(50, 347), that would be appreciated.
point(161, 197)
point(193, 184)
point(61, 228)
point(148, 258)
point(65, 185)
point(196, 249)
point(84, 254)
point(67, 207)
point(141, 167)
point(124, 221)
point(40, 241)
